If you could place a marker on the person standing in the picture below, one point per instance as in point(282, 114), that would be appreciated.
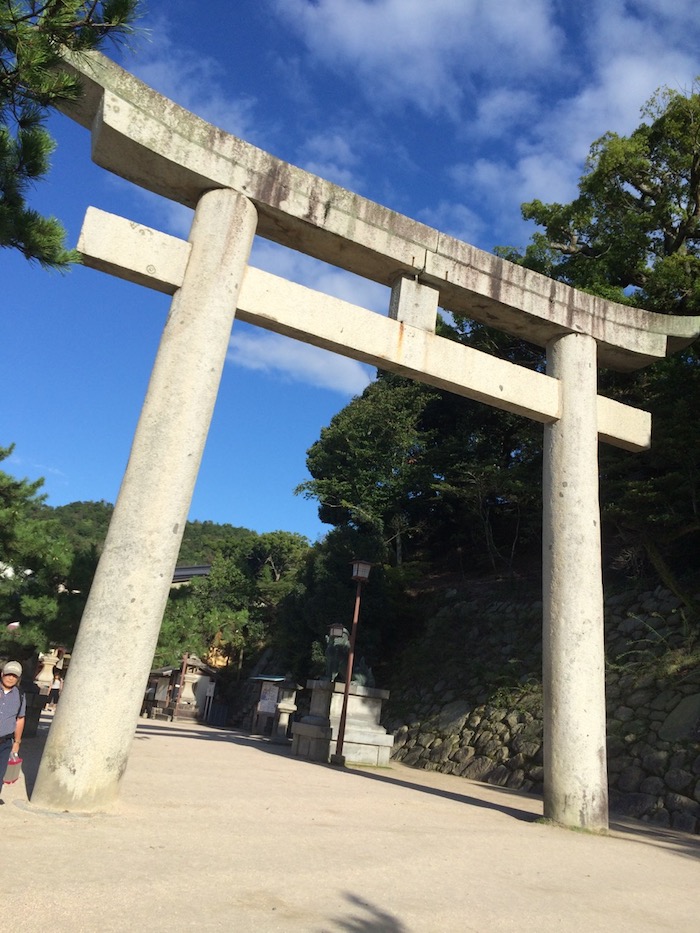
point(12, 711)
point(55, 691)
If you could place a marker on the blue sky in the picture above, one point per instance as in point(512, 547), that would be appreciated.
point(453, 112)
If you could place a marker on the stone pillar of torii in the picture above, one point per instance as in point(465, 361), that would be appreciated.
point(239, 191)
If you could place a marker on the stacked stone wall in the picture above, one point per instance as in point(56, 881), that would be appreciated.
point(477, 711)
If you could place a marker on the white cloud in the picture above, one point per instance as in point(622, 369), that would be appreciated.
point(193, 81)
point(427, 54)
point(500, 187)
point(546, 176)
point(332, 146)
point(331, 156)
point(501, 109)
point(624, 51)
point(455, 219)
point(292, 361)
point(631, 49)
point(658, 33)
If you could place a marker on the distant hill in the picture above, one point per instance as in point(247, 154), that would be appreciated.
point(85, 525)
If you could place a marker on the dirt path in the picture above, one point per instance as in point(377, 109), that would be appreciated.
point(220, 831)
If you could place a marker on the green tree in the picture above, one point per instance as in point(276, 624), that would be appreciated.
point(431, 473)
point(85, 524)
point(232, 613)
point(203, 540)
point(633, 233)
point(274, 562)
point(367, 466)
point(485, 466)
point(33, 36)
point(34, 561)
point(324, 594)
point(652, 500)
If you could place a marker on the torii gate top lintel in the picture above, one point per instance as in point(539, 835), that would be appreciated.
point(146, 138)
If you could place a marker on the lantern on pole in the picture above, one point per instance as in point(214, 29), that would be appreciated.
point(360, 573)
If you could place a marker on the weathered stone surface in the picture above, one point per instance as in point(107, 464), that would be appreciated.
point(639, 698)
point(88, 744)
point(629, 779)
point(661, 817)
point(463, 754)
point(684, 822)
point(529, 748)
point(484, 739)
point(679, 803)
point(655, 762)
point(619, 763)
point(633, 804)
point(615, 746)
point(478, 769)
point(678, 779)
point(136, 133)
point(452, 717)
point(682, 722)
point(516, 779)
point(413, 757)
point(496, 715)
point(441, 752)
point(428, 765)
point(400, 737)
point(666, 700)
point(499, 776)
point(652, 785)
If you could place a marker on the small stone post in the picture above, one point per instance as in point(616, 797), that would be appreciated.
point(88, 746)
point(575, 772)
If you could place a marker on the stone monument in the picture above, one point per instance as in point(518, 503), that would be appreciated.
point(366, 740)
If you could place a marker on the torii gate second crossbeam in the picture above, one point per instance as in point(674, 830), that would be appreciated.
point(238, 191)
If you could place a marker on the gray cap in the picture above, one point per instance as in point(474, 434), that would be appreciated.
point(13, 667)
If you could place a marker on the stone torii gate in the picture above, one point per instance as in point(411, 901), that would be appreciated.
point(239, 191)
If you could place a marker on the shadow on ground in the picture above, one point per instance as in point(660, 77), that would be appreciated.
point(368, 918)
point(506, 799)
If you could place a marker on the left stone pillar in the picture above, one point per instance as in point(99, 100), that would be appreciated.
point(88, 745)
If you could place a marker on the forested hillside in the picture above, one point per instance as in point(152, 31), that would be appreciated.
point(48, 557)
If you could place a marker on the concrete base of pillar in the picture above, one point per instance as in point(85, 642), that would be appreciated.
point(366, 742)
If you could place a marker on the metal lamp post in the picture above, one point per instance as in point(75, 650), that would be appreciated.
point(360, 573)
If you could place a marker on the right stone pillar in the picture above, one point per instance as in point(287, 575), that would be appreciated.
point(575, 770)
